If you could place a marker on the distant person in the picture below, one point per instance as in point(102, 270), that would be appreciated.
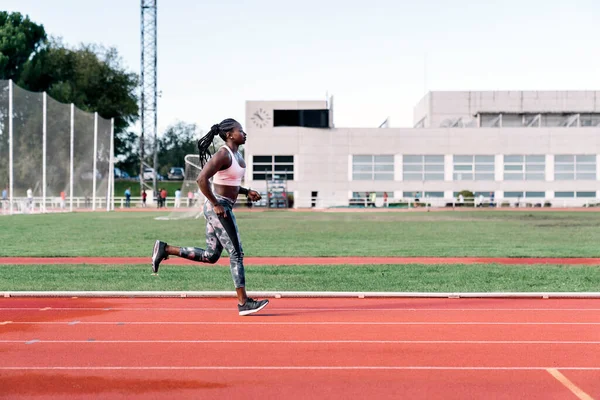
point(190, 197)
point(63, 199)
point(158, 198)
point(226, 168)
point(461, 200)
point(30, 198)
point(4, 198)
point(385, 199)
point(481, 200)
point(367, 199)
point(492, 204)
point(128, 198)
point(144, 197)
point(178, 198)
point(373, 199)
point(163, 197)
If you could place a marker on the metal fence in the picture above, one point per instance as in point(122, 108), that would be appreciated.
point(52, 153)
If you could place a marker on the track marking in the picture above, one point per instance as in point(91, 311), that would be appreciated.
point(316, 341)
point(5, 322)
point(74, 322)
point(45, 309)
point(32, 341)
point(239, 322)
point(568, 384)
point(294, 368)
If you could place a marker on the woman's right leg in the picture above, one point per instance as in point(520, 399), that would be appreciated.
point(210, 255)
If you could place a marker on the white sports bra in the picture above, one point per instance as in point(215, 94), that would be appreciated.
point(231, 176)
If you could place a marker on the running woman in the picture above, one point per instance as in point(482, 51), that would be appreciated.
point(226, 168)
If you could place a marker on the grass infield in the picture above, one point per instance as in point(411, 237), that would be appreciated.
point(280, 233)
point(393, 278)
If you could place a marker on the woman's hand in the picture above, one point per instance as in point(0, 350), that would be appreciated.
point(254, 195)
point(220, 211)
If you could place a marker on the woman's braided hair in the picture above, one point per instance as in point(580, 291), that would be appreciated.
point(221, 129)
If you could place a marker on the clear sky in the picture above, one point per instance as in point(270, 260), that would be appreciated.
point(376, 57)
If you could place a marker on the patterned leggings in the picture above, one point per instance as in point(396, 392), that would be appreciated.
point(221, 232)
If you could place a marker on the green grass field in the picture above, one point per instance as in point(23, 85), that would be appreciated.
point(281, 233)
point(393, 278)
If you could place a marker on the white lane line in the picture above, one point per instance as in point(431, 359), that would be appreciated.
point(293, 368)
point(569, 385)
point(552, 342)
point(240, 322)
point(292, 309)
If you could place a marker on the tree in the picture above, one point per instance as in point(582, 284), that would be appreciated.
point(92, 78)
point(21, 39)
point(178, 140)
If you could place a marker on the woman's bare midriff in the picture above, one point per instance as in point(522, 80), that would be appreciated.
point(231, 192)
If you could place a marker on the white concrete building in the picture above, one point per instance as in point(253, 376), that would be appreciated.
point(532, 146)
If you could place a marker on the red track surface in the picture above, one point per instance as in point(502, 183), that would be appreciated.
point(299, 348)
point(306, 260)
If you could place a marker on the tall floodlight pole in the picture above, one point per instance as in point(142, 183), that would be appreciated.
point(148, 84)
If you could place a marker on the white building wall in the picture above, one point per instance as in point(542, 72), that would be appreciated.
point(323, 157)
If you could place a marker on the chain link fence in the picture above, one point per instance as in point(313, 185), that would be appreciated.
point(53, 156)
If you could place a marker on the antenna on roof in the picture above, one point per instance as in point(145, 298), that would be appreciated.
point(386, 123)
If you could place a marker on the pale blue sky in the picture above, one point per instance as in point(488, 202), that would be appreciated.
point(213, 55)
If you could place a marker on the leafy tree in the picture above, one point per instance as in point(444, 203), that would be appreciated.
point(92, 78)
point(178, 140)
point(20, 38)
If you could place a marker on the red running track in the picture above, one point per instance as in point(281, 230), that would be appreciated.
point(306, 260)
point(164, 348)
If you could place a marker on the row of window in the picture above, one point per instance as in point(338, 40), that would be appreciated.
point(473, 167)
point(272, 167)
point(431, 167)
point(507, 195)
point(538, 120)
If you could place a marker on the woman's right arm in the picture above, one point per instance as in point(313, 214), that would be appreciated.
point(210, 169)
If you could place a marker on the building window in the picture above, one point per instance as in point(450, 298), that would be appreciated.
point(564, 195)
point(423, 168)
point(272, 167)
point(524, 168)
point(490, 120)
point(571, 195)
point(535, 195)
point(473, 168)
point(585, 195)
point(589, 120)
point(373, 168)
point(574, 167)
point(513, 195)
point(302, 118)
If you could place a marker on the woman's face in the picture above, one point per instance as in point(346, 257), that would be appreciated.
point(237, 135)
